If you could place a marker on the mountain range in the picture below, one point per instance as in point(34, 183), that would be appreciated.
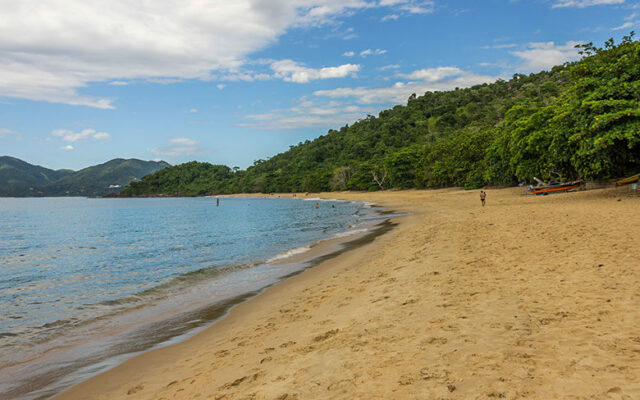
point(21, 179)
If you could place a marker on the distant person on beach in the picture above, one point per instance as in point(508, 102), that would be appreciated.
point(483, 197)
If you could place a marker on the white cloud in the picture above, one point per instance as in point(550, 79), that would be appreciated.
point(324, 111)
point(184, 141)
point(307, 114)
point(540, 56)
point(584, 3)
point(411, 6)
point(390, 17)
point(626, 25)
point(48, 48)
point(387, 67)
point(244, 77)
point(500, 46)
point(180, 146)
point(68, 135)
point(291, 71)
point(369, 52)
point(631, 22)
point(400, 91)
point(433, 74)
point(67, 147)
point(193, 110)
point(348, 54)
point(221, 86)
point(102, 136)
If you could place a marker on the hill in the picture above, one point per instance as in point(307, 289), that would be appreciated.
point(580, 119)
point(21, 179)
point(103, 179)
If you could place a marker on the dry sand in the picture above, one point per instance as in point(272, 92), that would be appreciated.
point(528, 297)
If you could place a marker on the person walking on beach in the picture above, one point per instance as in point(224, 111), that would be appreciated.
point(483, 197)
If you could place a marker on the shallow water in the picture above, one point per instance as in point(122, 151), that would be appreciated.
point(83, 281)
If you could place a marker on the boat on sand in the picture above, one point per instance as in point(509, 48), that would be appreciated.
point(626, 181)
point(560, 187)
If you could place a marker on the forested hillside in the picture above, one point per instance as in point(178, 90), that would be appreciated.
point(21, 179)
point(580, 120)
point(102, 179)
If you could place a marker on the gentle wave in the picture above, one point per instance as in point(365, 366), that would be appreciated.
point(289, 253)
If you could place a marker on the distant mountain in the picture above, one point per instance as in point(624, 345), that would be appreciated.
point(21, 179)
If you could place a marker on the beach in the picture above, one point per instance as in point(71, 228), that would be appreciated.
point(528, 297)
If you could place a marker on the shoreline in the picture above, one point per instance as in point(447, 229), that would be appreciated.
point(314, 253)
point(528, 297)
point(317, 254)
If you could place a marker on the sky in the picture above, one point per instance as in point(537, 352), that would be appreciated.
point(231, 82)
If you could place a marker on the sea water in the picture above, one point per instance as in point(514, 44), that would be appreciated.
point(86, 282)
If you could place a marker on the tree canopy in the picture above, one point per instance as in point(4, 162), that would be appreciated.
point(580, 119)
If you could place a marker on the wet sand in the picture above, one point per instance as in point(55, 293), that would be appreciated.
point(528, 297)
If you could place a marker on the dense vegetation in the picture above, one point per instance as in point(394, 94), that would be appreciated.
point(20, 179)
point(580, 119)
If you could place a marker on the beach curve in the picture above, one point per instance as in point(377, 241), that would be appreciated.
point(528, 297)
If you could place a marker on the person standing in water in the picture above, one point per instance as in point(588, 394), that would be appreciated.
point(483, 197)
point(218, 202)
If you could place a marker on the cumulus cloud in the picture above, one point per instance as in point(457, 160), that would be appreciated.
point(193, 110)
point(67, 147)
point(348, 54)
point(291, 71)
point(68, 135)
point(540, 56)
point(180, 146)
point(49, 51)
point(584, 3)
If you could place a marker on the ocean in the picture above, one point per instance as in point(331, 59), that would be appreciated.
point(86, 283)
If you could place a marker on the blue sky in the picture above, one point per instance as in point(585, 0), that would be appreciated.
point(82, 82)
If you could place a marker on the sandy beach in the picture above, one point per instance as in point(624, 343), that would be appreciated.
point(528, 297)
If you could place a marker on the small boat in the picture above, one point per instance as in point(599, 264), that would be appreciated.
point(558, 187)
point(626, 181)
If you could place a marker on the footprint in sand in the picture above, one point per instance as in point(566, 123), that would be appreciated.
point(221, 353)
point(135, 389)
point(326, 335)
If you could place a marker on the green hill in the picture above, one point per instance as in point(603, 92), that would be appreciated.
point(20, 179)
point(103, 179)
point(580, 119)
